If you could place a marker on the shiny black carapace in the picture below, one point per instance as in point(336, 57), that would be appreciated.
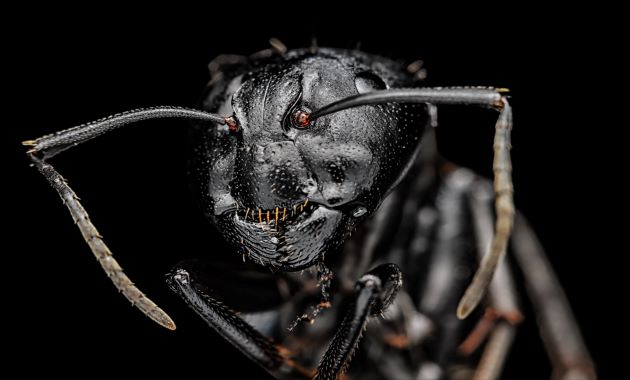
point(320, 164)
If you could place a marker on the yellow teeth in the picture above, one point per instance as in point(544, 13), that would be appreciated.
point(275, 215)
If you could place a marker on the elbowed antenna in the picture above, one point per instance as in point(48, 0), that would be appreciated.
point(50, 145)
point(502, 165)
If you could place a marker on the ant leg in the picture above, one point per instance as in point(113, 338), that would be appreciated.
point(560, 331)
point(451, 248)
point(561, 335)
point(374, 292)
point(251, 342)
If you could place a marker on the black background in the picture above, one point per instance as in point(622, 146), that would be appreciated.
point(78, 68)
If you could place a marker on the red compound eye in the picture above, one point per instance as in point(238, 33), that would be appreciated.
point(232, 124)
point(301, 119)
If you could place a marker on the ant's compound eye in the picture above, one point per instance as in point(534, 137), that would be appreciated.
point(301, 119)
point(232, 124)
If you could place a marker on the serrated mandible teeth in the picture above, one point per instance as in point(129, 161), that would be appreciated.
point(274, 215)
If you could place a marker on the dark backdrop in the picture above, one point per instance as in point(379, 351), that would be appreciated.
point(75, 69)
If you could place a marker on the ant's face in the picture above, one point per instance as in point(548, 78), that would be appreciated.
point(286, 190)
